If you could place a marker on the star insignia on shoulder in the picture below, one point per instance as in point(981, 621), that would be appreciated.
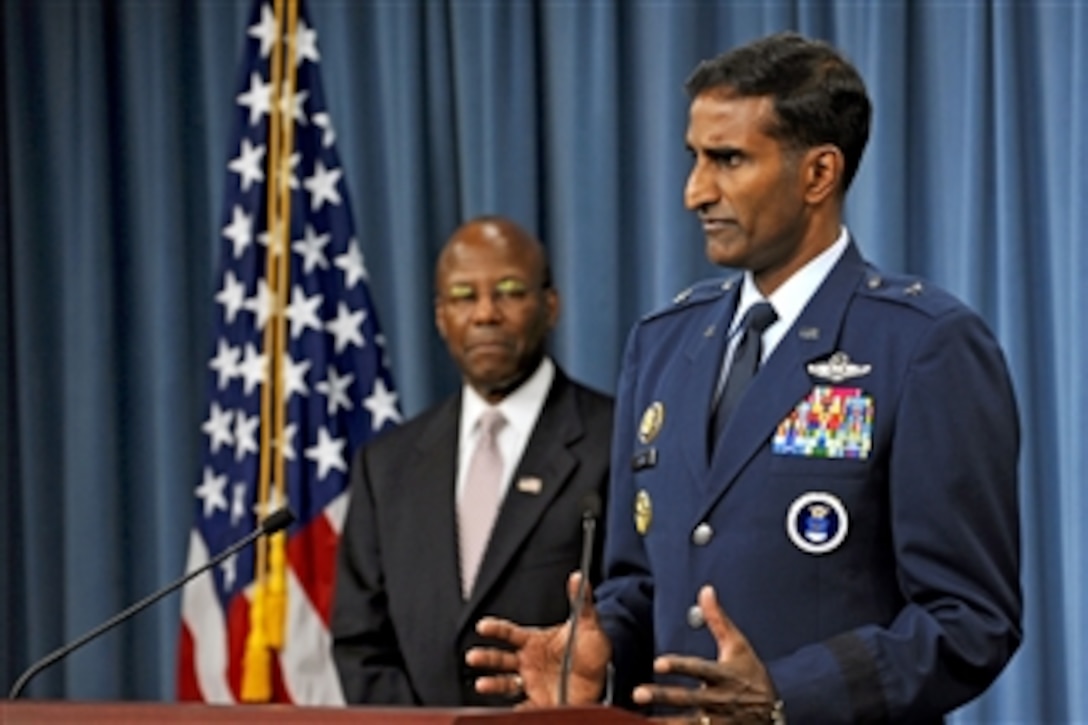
point(682, 295)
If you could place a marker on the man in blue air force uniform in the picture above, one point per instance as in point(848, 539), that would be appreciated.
point(813, 512)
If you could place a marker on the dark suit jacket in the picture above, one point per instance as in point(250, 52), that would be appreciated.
point(400, 627)
point(915, 606)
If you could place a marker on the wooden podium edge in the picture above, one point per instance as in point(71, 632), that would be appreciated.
point(31, 712)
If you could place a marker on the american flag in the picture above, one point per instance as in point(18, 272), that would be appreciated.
point(336, 386)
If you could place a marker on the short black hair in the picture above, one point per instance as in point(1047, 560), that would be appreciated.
point(819, 96)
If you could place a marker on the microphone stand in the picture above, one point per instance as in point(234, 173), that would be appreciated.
point(589, 524)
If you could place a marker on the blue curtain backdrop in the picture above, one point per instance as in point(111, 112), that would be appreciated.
point(568, 116)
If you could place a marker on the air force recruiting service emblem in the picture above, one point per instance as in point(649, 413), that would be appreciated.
point(817, 522)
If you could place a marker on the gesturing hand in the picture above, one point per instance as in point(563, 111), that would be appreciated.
point(735, 688)
point(533, 667)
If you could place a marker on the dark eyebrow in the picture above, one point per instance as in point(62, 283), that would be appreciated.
point(716, 152)
point(722, 151)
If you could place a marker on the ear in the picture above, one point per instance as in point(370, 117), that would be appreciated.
point(551, 305)
point(823, 173)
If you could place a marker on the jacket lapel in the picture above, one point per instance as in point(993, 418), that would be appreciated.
point(704, 359)
point(547, 457)
point(433, 478)
point(783, 380)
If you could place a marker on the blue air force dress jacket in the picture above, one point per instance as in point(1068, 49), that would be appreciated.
point(858, 518)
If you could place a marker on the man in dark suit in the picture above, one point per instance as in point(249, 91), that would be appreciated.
point(448, 521)
point(813, 513)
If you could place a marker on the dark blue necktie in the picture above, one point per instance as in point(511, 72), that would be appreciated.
point(746, 357)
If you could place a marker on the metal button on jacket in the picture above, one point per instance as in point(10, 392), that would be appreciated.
point(695, 617)
point(702, 535)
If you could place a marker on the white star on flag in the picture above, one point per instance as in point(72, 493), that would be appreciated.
point(239, 231)
point(351, 262)
point(253, 367)
point(265, 30)
point(210, 492)
point(306, 44)
point(293, 106)
point(288, 167)
point(266, 240)
point(382, 404)
point(225, 363)
point(248, 164)
point(258, 99)
point(238, 503)
point(327, 453)
point(289, 431)
point(294, 377)
point(312, 248)
point(335, 389)
point(217, 427)
point(245, 434)
point(302, 312)
point(232, 296)
point(229, 568)
point(322, 186)
point(324, 122)
point(347, 328)
point(260, 304)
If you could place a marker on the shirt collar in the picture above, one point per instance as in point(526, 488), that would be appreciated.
point(520, 407)
point(792, 295)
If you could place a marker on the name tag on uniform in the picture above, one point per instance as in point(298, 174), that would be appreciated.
point(644, 459)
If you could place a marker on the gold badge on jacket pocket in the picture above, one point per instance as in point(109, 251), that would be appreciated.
point(652, 420)
point(831, 422)
point(644, 511)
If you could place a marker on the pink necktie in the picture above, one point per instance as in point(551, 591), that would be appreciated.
point(480, 499)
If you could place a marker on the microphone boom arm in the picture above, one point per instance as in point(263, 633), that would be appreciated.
point(275, 521)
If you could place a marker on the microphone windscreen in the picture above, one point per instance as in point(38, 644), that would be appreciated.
point(591, 505)
point(279, 519)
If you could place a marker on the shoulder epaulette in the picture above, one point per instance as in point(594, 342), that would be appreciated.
point(909, 291)
point(700, 292)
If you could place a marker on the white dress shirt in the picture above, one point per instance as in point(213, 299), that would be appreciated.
point(521, 409)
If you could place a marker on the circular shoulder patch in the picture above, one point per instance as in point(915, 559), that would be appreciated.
point(817, 522)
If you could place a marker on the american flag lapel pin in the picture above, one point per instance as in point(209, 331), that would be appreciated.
point(530, 485)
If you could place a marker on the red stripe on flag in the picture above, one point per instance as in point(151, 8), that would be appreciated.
point(279, 689)
point(311, 553)
point(237, 631)
point(188, 688)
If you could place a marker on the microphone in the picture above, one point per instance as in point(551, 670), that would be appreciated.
point(591, 510)
point(276, 521)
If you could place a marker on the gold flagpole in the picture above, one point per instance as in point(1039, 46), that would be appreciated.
point(277, 560)
point(268, 605)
